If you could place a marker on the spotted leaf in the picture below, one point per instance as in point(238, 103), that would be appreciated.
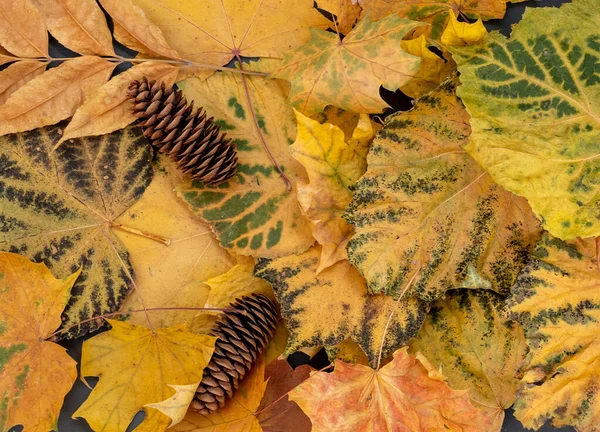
point(425, 206)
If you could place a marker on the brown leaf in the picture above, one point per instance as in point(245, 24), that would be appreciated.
point(107, 109)
point(18, 74)
point(135, 30)
point(77, 24)
point(6, 57)
point(54, 95)
point(22, 29)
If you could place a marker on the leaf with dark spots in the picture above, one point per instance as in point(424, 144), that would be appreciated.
point(57, 208)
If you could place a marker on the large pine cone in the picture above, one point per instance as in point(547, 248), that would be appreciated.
point(187, 136)
point(243, 333)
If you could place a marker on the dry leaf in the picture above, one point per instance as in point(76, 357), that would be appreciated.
point(54, 95)
point(136, 366)
point(327, 308)
point(78, 24)
point(346, 12)
point(425, 207)
point(108, 108)
point(22, 29)
point(347, 73)
point(176, 406)
point(18, 74)
point(399, 397)
point(6, 57)
point(333, 164)
point(35, 375)
point(462, 33)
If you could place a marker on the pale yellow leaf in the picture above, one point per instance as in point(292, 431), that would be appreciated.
point(463, 33)
point(22, 29)
point(177, 405)
point(18, 74)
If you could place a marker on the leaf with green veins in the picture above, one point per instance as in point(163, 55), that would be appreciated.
point(534, 101)
point(251, 213)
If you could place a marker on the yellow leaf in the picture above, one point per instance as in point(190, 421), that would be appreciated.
point(346, 12)
point(176, 406)
point(253, 213)
point(35, 375)
point(78, 24)
point(348, 351)
point(59, 207)
point(467, 336)
point(463, 33)
point(108, 108)
point(536, 128)
point(398, 397)
point(222, 30)
point(327, 308)
point(18, 74)
point(173, 275)
point(136, 366)
point(425, 208)
point(348, 73)
point(54, 95)
point(22, 29)
point(556, 299)
point(134, 30)
point(333, 165)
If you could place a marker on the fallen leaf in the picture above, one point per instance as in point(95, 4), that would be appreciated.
point(54, 95)
point(399, 397)
point(346, 12)
point(333, 165)
point(136, 366)
point(176, 406)
point(77, 24)
point(57, 208)
point(327, 308)
point(348, 351)
point(462, 33)
point(556, 299)
point(348, 73)
point(18, 74)
point(22, 29)
point(35, 375)
point(134, 30)
point(6, 57)
point(477, 348)
point(425, 207)
point(535, 112)
point(253, 213)
point(108, 108)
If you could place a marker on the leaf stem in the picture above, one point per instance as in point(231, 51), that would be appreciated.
point(164, 240)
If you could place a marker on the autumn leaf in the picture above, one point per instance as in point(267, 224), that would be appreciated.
point(77, 24)
point(425, 207)
point(556, 300)
point(253, 213)
point(35, 375)
point(22, 29)
point(333, 165)
point(535, 112)
point(346, 13)
point(6, 57)
point(176, 406)
point(329, 307)
point(58, 208)
point(398, 397)
point(136, 365)
point(348, 73)
point(468, 337)
point(462, 33)
point(18, 74)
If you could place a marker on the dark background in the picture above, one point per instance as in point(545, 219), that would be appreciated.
point(398, 101)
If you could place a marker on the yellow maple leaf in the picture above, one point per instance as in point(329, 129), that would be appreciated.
point(333, 164)
point(35, 374)
point(345, 12)
point(176, 407)
point(462, 33)
point(399, 397)
point(136, 367)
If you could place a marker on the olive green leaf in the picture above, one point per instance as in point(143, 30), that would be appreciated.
point(58, 207)
point(534, 101)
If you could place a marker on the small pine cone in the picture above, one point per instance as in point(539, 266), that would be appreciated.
point(186, 135)
point(243, 333)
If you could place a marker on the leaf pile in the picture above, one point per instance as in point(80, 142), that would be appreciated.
point(445, 258)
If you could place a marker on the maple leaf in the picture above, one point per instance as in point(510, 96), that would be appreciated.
point(333, 165)
point(35, 374)
point(348, 73)
point(345, 12)
point(253, 213)
point(424, 203)
point(460, 33)
point(535, 112)
point(555, 298)
point(467, 336)
point(59, 207)
point(399, 397)
point(329, 307)
point(136, 365)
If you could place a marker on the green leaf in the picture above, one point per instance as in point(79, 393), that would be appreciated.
point(534, 101)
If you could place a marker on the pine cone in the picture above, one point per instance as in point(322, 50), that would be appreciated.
point(187, 136)
point(243, 333)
